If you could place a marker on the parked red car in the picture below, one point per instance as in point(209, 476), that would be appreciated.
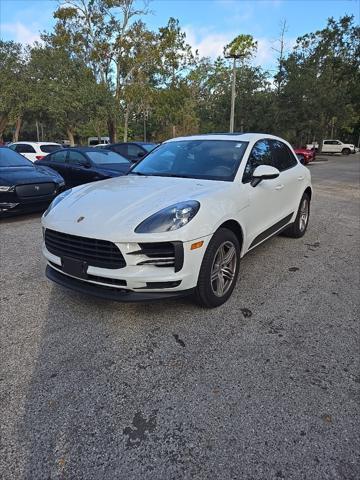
point(309, 155)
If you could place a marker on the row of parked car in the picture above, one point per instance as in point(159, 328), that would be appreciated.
point(33, 173)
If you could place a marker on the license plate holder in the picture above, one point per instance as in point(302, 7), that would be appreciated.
point(74, 267)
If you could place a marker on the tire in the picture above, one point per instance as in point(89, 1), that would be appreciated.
point(208, 293)
point(298, 228)
point(346, 151)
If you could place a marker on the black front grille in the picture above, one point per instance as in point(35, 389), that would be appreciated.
point(97, 253)
point(35, 189)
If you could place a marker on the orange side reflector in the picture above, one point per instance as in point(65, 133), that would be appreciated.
point(196, 245)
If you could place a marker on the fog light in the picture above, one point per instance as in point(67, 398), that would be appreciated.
point(196, 245)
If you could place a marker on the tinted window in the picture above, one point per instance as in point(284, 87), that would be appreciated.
point(207, 159)
point(76, 158)
point(49, 148)
point(94, 142)
point(9, 158)
point(23, 148)
point(122, 149)
point(282, 156)
point(134, 151)
point(102, 157)
point(260, 155)
point(58, 157)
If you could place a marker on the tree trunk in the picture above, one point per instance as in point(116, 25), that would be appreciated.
point(70, 135)
point(3, 124)
point(17, 129)
point(126, 123)
point(112, 129)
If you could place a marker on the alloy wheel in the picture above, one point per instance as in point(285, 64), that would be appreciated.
point(223, 268)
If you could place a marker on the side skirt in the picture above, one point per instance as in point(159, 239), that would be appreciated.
point(269, 232)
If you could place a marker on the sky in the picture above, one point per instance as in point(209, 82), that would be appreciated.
point(209, 24)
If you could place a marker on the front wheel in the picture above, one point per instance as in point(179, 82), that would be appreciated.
point(346, 151)
point(219, 269)
point(298, 228)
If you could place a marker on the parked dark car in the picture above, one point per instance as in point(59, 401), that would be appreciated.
point(86, 164)
point(25, 187)
point(133, 151)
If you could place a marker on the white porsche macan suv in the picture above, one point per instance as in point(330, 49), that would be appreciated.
point(179, 221)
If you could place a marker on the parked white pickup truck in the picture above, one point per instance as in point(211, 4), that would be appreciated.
point(333, 146)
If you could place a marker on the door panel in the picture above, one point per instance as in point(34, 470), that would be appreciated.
point(265, 199)
point(77, 171)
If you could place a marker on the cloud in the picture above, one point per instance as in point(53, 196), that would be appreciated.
point(207, 43)
point(211, 44)
point(19, 32)
point(265, 54)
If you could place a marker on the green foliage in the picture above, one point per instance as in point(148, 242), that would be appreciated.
point(243, 46)
point(103, 70)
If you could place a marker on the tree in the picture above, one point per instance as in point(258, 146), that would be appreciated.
point(64, 89)
point(13, 86)
point(322, 74)
point(98, 32)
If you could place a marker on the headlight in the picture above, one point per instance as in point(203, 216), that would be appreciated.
point(4, 188)
point(170, 218)
point(57, 200)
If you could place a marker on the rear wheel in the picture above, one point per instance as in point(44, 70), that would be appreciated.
point(219, 269)
point(298, 228)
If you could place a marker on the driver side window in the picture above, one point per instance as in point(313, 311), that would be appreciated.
point(76, 158)
point(260, 155)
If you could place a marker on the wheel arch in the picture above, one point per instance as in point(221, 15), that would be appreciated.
point(308, 190)
point(235, 227)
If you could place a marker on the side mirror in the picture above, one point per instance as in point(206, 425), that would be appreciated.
point(140, 155)
point(264, 172)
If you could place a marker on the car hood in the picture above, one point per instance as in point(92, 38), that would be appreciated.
point(116, 206)
point(22, 175)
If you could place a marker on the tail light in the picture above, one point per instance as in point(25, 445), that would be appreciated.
point(40, 157)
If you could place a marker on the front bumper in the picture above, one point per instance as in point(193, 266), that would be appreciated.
point(138, 276)
point(110, 293)
point(11, 204)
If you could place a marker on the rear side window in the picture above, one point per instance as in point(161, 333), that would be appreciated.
point(260, 155)
point(122, 149)
point(23, 148)
point(282, 156)
point(49, 148)
point(58, 157)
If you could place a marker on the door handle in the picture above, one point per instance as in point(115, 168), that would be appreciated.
point(300, 178)
point(279, 187)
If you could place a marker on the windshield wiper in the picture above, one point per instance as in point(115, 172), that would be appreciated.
point(173, 175)
point(138, 173)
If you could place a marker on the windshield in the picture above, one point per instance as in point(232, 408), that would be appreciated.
point(205, 159)
point(103, 157)
point(9, 158)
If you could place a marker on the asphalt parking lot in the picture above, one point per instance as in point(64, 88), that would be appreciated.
point(264, 387)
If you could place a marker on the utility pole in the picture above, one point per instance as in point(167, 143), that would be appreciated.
point(242, 47)
point(233, 93)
